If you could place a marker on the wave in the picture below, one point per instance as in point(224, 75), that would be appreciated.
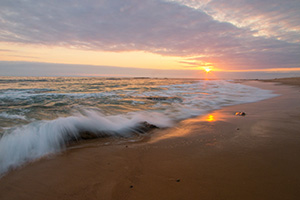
point(12, 116)
point(37, 139)
point(153, 108)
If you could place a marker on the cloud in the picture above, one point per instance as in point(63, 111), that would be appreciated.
point(270, 18)
point(13, 68)
point(156, 26)
point(5, 50)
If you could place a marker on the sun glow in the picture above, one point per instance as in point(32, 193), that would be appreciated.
point(207, 69)
point(67, 55)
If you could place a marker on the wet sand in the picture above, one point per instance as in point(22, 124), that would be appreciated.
point(287, 81)
point(216, 156)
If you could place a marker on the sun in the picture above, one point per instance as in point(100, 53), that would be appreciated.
point(207, 69)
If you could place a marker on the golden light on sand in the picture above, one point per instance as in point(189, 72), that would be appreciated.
point(210, 118)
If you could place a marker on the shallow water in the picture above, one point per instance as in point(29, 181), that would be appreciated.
point(39, 116)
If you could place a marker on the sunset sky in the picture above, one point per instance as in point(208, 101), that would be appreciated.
point(149, 37)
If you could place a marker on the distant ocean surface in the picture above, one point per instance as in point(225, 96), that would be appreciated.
point(40, 116)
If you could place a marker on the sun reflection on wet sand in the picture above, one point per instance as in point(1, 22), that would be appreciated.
point(210, 118)
point(190, 126)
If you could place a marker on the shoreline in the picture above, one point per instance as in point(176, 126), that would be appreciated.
point(216, 156)
point(294, 81)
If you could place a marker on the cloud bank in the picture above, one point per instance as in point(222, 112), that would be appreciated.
point(220, 32)
point(8, 68)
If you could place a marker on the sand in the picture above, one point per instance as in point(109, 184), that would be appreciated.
point(287, 81)
point(216, 156)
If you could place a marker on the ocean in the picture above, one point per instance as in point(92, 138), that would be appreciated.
point(40, 116)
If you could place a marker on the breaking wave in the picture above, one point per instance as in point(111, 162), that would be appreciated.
point(37, 139)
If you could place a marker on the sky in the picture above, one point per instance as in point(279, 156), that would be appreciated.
point(159, 38)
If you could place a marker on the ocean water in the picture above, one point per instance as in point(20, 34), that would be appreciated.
point(41, 116)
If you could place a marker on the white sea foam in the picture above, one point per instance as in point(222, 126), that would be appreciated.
point(35, 140)
point(31, 93)
point(11, 116)
point(205, 96)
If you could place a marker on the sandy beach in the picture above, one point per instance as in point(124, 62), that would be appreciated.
point(215, 156)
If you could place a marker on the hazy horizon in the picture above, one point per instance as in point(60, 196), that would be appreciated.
point(35, 69)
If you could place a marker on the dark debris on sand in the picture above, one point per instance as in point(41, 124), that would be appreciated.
point(141, 128)
point(240, 113)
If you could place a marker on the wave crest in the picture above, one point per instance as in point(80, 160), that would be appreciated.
point(37, 139)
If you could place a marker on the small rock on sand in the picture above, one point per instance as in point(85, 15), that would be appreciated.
point(240, 113)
